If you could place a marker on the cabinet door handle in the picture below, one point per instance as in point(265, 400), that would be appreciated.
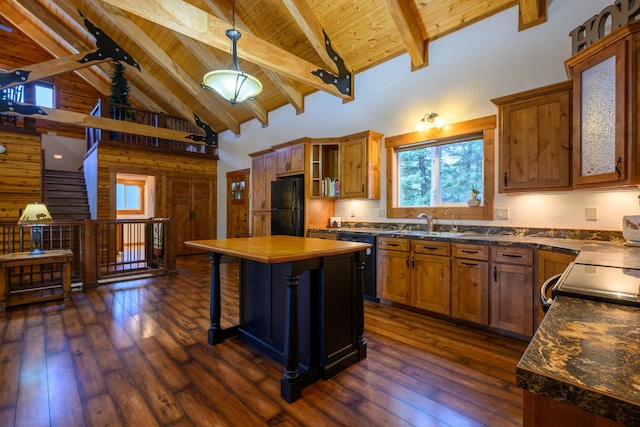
point(429, 248)
point(467, 251)
point(619, 167)
point(512, 255)
point(505, 179)
point(413, 262)
point(393, 244)
point(407, 261)
point(495, 274)
point(469, 264)
point(362, 188)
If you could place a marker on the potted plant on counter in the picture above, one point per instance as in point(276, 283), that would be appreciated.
point(473, 199)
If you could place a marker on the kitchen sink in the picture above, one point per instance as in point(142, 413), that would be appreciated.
point(433, 233)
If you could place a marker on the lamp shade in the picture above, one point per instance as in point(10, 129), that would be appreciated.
point(234, 86)
point(35, 214)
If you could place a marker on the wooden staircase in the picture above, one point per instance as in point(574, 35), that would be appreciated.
point(66, 195)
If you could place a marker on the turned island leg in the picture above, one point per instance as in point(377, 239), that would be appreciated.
point(290, 388)
point(215, 335)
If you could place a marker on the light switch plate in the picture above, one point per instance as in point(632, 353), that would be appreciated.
point(502, 213)
point(591, 214)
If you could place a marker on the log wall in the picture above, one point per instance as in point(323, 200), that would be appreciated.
point(20, 174)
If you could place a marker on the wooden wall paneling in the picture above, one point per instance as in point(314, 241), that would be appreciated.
point(20, 173)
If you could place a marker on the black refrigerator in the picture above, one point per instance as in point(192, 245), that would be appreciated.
point(287, 207)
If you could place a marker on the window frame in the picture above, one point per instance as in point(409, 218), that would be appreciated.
point(141, 190)
point(485, 126)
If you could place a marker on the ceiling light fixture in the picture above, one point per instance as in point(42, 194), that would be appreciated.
point(233, 84)
point(433, 118)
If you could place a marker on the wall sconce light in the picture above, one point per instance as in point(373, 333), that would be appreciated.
point(432, 118)
point(35, 215)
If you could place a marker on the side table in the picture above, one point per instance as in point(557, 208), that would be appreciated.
point(63, 257)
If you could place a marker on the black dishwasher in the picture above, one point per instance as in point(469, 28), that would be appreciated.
point(370, 262)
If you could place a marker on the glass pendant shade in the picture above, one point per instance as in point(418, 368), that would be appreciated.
point(234, 86)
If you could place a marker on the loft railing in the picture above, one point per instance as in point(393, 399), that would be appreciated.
point(104, 108)
point(102, 250)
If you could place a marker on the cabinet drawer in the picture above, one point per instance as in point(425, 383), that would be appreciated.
point(507, 255)
point(323, 235)
point(393, 244)
point(461, 250)
point(431, 248)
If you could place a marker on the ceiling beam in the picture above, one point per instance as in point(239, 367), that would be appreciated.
point(531, 13)
point(89, 121)
point(198, 24)
point(312, 28)
point(37, 31)
point(405, 21)
point(159, 56)
point(284, 84)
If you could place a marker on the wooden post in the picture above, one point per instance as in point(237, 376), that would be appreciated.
point(170, 246)
point(90, 279)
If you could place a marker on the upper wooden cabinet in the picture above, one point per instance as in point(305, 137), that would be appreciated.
point(535, 140)
point(263, 171)
point(605, 110)
point(290, 157)
point(360, 166)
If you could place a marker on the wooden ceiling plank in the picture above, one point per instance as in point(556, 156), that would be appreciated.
point(284, 85)
point(312, 28)
point(207, 59)
point(128, 27)
point(198, 24)
point(407, 26)
point(531, 13)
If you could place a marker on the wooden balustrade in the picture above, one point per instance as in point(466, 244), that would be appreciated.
point(103, 250)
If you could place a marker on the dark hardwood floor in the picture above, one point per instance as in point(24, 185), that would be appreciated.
point(136, 353)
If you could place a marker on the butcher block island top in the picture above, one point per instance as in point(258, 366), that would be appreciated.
point(301, 303)
point(276, 249)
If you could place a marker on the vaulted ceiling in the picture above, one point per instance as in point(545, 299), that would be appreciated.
point(175, 42)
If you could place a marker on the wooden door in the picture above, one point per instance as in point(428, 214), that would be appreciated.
point(549, 264)
point(238, 203)
point(469, 290)
point(201, 208)
point(353, 171)
point(180, 211)
point(395, 276)
point(512, 298)
point(535, 143)
point(431, 279)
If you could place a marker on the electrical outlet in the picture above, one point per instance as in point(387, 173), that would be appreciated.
point(502, 213)
point(591, 214)
point(382, 213)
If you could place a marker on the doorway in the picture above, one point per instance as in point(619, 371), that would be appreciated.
point(135, 199)
point(238, 203)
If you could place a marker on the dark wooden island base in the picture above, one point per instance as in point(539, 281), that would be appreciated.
point(301, 303)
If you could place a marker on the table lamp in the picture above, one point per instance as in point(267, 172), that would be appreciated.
point(35, 215)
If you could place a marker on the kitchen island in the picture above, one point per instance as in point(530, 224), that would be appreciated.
point(301, 303)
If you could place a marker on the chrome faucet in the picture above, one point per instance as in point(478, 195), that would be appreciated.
point(453, 226)
point(429, 218)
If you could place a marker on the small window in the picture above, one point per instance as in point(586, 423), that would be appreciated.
point(44, 94)
point(130, 197)
point(437, 170)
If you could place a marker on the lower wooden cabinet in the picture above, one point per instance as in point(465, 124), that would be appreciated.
point(470, 283)
point(512, 289)
point(260, 223)
point(486, 285)
point(549, 264)
point(431, 276)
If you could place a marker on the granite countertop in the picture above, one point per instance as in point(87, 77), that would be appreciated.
point(587, 354)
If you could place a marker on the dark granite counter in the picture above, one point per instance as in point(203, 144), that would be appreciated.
point(587, 354)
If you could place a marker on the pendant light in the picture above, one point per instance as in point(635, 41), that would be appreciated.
point(233, 84)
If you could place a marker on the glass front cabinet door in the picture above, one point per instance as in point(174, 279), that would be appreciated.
point(603, 78)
